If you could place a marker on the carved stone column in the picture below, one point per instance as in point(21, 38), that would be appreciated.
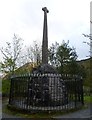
point(45, 38)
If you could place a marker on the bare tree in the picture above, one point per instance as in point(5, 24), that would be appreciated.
point(34, 53)
point(90, 38)
point(11, 55)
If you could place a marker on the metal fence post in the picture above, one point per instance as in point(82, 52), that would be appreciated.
point(10, 94)
point(82, 94)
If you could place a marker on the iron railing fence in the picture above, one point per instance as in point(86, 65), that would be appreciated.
point(46, 92)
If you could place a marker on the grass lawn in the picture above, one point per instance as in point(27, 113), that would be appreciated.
point(5, 87)
point(0, 85)
point(87, 99)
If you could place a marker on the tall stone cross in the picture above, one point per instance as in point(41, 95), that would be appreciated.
point(45, 38)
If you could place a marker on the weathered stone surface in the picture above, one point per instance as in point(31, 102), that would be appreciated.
point(47, 90)
point(45, 38)
point(44, 68)
point(45, 9)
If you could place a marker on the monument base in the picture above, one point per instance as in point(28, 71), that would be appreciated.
point(50, 89)
point(45, 68)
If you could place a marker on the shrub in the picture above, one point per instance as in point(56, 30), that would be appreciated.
point(5, 87)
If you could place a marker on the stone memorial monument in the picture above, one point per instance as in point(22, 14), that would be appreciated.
point(44, 89)
point(51, 88)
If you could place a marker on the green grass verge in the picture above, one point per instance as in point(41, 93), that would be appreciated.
point(87, 99)
point(0, 85)
point(5, 87)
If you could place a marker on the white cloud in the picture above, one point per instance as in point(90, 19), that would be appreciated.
point(67, 19)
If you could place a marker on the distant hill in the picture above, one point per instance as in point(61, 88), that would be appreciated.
point(26, 68)
point(87, 63)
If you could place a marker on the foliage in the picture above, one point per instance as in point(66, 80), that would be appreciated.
point(52, 54)
point(5, 88)
point(88, 99)
point(66, 53)
point(0, 85)
point(11, 55)
point(65, 59)
point(89, 36)
point(87, 64)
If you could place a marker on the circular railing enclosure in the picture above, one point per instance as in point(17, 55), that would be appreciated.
point(46, 92)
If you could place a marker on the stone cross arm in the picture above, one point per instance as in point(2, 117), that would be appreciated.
point(45, 9)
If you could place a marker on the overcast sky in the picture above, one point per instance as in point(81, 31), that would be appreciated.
point(67, 20)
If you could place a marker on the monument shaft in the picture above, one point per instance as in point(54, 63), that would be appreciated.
point(45, 38)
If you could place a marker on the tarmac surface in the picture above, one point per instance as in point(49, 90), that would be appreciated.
point(84, 113)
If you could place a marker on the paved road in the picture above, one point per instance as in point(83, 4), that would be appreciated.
point(85, 113)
